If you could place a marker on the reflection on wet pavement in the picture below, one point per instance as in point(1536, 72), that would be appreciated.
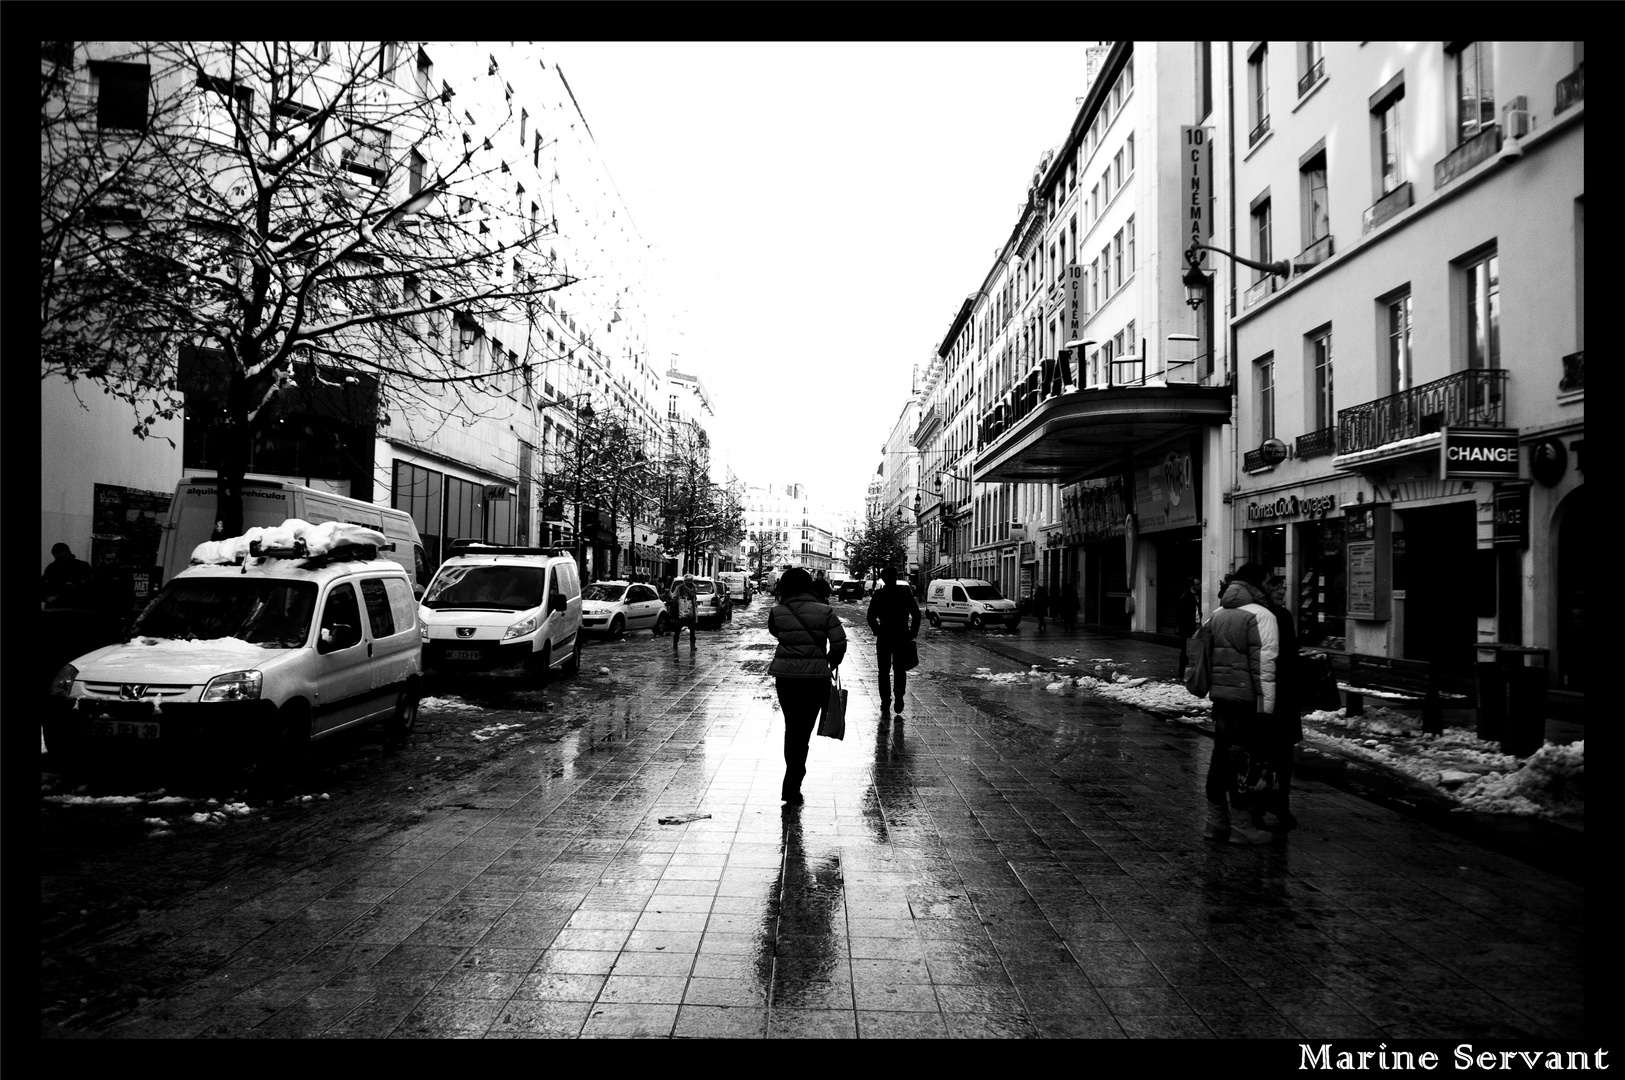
point(997, 862)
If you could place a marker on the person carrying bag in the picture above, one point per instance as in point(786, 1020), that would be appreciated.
point(811, 645)
point(894, 616)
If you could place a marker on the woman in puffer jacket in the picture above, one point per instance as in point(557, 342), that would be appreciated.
point(1246, 644)
point(812, 643)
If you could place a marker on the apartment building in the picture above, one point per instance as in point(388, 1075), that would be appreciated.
point(478, 457)
point(1429, 196)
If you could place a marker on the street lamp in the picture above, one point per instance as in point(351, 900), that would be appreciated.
point(1197, 283)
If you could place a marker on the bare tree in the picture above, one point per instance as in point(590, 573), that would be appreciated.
point(286, 216)
point(880, 543)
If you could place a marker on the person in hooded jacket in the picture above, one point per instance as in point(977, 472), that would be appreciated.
point(811, 644)
point(1246, 646)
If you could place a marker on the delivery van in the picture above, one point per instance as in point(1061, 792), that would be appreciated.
point(268, 503)
point(968, 602)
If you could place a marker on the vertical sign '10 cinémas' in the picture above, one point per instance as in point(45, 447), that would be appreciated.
point(1197, 174)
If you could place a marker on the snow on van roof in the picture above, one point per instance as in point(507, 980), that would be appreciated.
point(319, 540)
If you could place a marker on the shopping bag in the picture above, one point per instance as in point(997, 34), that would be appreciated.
point(906, 655)
point(832, 724)
point(1198, 673)
point(685, 609)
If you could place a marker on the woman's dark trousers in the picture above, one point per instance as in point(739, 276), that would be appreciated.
point(801, 700)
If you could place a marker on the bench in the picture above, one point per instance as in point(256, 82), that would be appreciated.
point(1419, 678)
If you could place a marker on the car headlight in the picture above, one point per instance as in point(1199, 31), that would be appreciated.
point(62, 685)
point(234, 686)
point(521, 628)
point(423, 632)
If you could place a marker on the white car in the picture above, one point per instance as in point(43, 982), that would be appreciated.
point(614, 607)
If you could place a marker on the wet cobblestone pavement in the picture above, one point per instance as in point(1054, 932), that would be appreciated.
point(996, 862)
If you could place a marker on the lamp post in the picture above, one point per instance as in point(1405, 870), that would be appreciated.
point(1197, 283)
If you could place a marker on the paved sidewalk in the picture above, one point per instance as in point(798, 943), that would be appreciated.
point(997, 862)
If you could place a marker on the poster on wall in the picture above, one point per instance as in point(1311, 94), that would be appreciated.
point(125, 530)
point(1165, 493)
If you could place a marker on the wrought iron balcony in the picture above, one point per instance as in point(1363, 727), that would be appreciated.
point(1317, 443)
point(1315, 254)
point(1470, 399)
point(1574, 372)
point(1258, 132)
point(1392, 203)
point(1471, 152)
point(1572, 88)
point(1312, 76)
point(1253, 461)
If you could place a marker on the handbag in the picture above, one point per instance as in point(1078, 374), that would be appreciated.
point(685, 609)
point(1198, 673)
point(832, 724)
point(906, 655)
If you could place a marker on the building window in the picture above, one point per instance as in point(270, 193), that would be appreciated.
point(1311, 64)
point(1474, 76)
point(1483, 280)
point(1316, 218)
point(1264, 369)
point(121, 95)
point(1094, 204)
point(1117, 169)
point(1390, 167)
point(524, 122)
point(425, 73)
point(367, 152)
point(1128, 149)
point(1397, 324)
point(415, 176)
point(1129, 229)
point(1258, 92)
point(1204, 79)
point(1106, 285)
point(1320, 364)
point(1262, 250)
point(536, 154)
point(1094, 285)
point(387, 55)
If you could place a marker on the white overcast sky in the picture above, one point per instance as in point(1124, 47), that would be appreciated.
point(816, 213)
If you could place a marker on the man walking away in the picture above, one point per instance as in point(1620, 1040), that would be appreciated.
point(1246, 641)
point(1040, 605)
point(894, 616)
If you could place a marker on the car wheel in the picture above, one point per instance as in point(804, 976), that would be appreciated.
point(617, 627)
point(405, 719)
point(572, 666)
point(935, 621)
point(660, 625)
point(975, 622)
point(540, 665)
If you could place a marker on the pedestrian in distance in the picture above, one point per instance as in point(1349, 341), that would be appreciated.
point(686, 602)
point(811, 645)
point(1069, 606)
point(894, 616)
point(1246, 644)
point(1040, 605)
point(66, 580)
point(1188, 618)
point(821, 588)
point(1281, 732)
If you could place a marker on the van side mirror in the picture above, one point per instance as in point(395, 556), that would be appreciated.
point(338, 637)
point(558, 602)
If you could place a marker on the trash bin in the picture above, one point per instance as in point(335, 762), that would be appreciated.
point(1492, 691)
point(1524, 671)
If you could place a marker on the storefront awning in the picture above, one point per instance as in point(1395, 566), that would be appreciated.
point(1087, 433)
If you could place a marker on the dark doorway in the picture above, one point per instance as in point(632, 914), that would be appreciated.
point(1571, 571)
point(1178, 557)
point(1434, 564)
point(1105, 584)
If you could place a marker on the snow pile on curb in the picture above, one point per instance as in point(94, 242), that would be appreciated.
point(448, 704)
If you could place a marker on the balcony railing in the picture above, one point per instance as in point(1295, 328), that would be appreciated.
point(1574, 372)
point(1471, 399)
point(1312, 76)
point(1253, 461)
point(1392, 203)
point(1258, 132)
point(1478, 148)
point(1317, 443)
point(1572, 88)
point(1315, 254)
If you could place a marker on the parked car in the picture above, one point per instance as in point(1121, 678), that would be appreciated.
point(968, 602)
point(615, 607)
point(266, 642)
point(492, 607)
point(850, 589)
point(712, 607)
point(738, 585)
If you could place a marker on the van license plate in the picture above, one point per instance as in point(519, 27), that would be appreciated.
point(124, 729)
point(462, 654)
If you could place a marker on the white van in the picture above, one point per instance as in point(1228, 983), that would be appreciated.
point(737, 583)
point(267, 503)
point(263, 646)
point(492, 607)
point(968, 602)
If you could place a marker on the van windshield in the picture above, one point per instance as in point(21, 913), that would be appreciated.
point(486, 587)
point(983, 592)
point(271, 613)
